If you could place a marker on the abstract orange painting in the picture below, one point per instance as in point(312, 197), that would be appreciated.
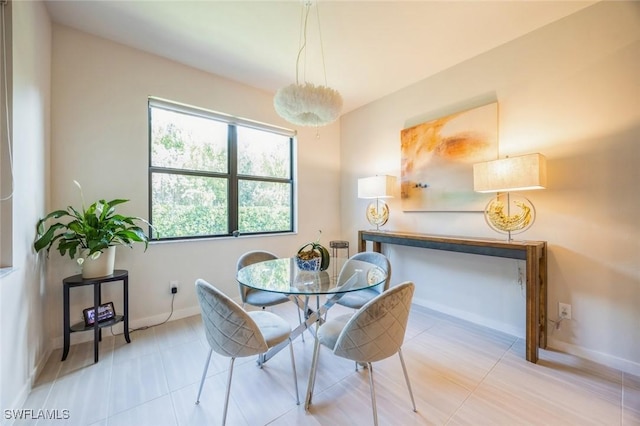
point(438, 156)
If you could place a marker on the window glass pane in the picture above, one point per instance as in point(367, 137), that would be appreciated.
point(183, 141)
point(188, 205)
point(211, 173)
point(262, 153)
point(264, 206)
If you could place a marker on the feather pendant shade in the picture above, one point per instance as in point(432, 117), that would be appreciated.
point(308, 104)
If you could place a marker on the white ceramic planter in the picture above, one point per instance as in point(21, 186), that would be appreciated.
point(100, 267)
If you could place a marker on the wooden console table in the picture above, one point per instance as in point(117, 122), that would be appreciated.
point(534, 253)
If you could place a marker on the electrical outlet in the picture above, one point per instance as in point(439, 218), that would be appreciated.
point(173, 286)
point(564, 311)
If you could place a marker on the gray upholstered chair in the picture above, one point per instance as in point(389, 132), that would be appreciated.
point(357, 299)
point(260, 298)
point(232, 332)
point(375, 332)
point(252, 296)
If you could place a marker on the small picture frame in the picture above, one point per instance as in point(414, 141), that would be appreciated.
point(105, 312)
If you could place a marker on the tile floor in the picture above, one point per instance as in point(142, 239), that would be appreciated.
point(461, 374)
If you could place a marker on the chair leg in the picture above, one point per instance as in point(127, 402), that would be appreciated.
point(295, 374)
point(373, 395)
point(300, 321)
point(204, 374)
point(312, 374)
point(226, 397)
point(406, 378)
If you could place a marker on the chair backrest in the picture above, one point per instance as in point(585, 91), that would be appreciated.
point(229, 329)
point(376, 258)
point(376, 331)
point(250, 258)
point(255, 256)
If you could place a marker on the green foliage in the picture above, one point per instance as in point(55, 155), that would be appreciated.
point(190, 197)
point(189, 220)
point(264, 219)
point(92, 229)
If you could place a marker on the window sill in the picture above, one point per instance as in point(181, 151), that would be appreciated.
point(7, 271)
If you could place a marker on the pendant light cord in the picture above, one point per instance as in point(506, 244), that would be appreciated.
point(304, 19)
point(324, 67)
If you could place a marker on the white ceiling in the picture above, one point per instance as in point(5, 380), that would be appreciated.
point(371, 48)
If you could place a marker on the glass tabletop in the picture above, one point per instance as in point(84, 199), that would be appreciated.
point(284, 276)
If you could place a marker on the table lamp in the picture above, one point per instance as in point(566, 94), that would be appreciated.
point(502, 176)
point(377, 187)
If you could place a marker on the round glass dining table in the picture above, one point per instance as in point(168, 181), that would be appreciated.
point(285, 277)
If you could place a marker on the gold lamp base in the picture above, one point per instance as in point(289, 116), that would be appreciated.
point(510, 213)
point(377, 213)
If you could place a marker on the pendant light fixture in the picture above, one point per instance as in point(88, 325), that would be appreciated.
point(304, 103)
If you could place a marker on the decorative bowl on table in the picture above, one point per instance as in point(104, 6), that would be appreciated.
point(312, 264)
point(313, 256)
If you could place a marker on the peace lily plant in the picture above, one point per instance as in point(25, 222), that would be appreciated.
point(88, 232)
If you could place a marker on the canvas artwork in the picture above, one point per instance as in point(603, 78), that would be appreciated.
point(438, 157)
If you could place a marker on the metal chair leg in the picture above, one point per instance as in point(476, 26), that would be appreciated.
point(226, 397)
point(373, 395)
point(295, 375)
point(300, 321)
point(204, 375)
point(406, 378)
point(312, 374)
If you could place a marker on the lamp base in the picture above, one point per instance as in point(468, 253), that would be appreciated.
point(510, 213)
point(377, 213)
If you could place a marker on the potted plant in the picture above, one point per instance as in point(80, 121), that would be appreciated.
point(313, 256)
point(90, 234)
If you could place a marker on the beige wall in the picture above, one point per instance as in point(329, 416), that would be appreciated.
point(23, 340)
point(100, 138)
point(571, 92)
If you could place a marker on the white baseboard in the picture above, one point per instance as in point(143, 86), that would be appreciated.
point(588, 354)
point(467, 316)
point(607, 360)
point(23, 393)
point(57, 342)
point(25, 390)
